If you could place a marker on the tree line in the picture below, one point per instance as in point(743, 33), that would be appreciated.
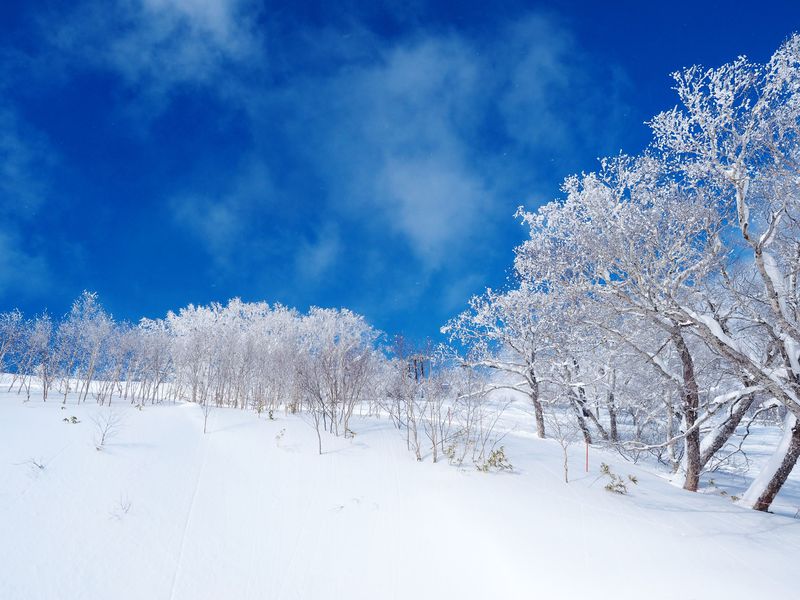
point(325, 365)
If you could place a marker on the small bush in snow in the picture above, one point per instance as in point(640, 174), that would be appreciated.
point(107, 425)
point(497, 460)
point(616, 483)
point(450, 453)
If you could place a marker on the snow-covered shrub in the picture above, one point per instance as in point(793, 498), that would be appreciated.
point(497, 460)
point(616, 483)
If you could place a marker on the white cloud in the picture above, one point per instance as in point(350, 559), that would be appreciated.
point(554, 95)
point(220, 223)
point(430, 138)
point(25, 158)
point(543, 68)
point(22, 273)
point(434, 202)
point(423, 184)
point(389, 144)
point(156, 46)
point(316, 257)
point(405, 139)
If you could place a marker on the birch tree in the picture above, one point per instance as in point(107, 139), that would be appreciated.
point(508, 332)
point(735, 134)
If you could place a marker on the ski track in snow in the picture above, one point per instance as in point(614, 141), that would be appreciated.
point(203, 451)
point(392, 509)
point(304, 521)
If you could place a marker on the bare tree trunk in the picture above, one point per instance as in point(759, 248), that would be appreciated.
point(584, 407)
point(587, 436)
point(89, 375)
point(723, 434)
point(537, 404)
point(691, 402)
point(315, 415)
point(766, 486)
point(612, 407)
point(590, 415)
point(670, 431)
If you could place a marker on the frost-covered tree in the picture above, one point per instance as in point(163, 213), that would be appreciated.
point(627, 239)
point(735, 134)
point(510, 332)
point(11, 329)
point(337, 358)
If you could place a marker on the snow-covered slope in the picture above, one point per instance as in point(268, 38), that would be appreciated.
point(250, 510)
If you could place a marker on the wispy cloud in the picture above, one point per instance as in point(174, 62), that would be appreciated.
point(553, 96)
point(437, 137)
point(23, 272)
point(220, 222)
point(390, 141)
point(315, 257)
point(25, 160)
point(395, 130)
point(405, 155)
point(158, 46)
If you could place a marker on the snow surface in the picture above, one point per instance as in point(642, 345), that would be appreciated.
point(250, 510)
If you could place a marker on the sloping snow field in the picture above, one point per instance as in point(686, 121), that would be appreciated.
point(250, 510)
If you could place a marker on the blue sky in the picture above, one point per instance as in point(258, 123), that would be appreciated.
point(368, 155)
